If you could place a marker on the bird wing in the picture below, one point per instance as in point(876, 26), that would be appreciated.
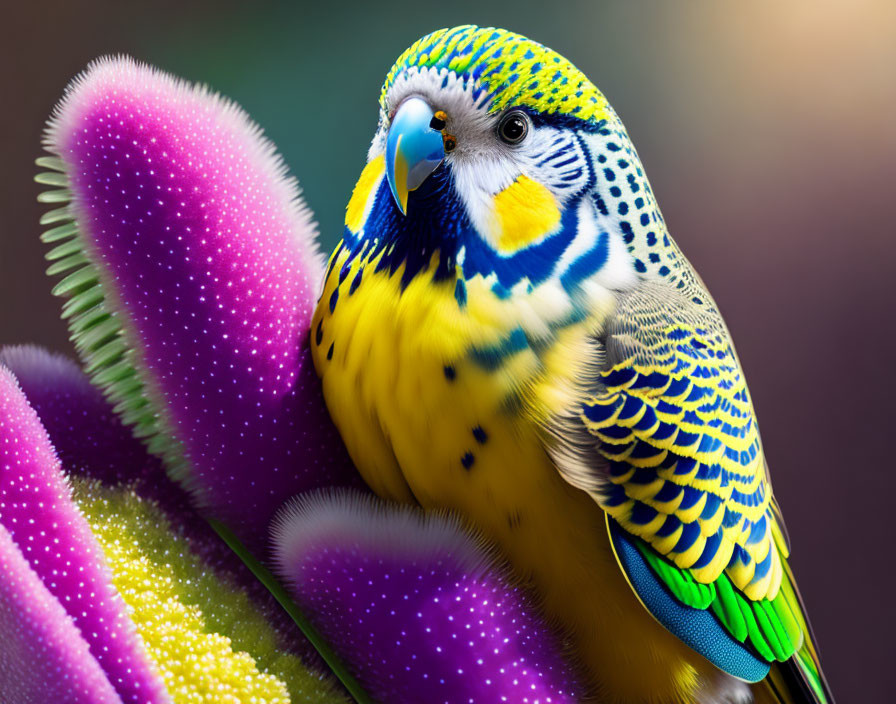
point(667, 444)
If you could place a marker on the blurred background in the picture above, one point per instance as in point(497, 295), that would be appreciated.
point(768, 133)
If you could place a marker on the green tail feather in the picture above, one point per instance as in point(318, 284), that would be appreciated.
point(797, 681)
point(810, 670)
point(775, 629)
point(810, 680)
point(767, 626)
point(685, 588)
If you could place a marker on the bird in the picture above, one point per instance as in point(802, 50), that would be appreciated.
point(507, 331)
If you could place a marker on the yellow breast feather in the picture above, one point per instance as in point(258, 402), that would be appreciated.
point(428, 422)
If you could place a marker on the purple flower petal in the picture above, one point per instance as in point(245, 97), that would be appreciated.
point(192, 273)
point(144, 524)
point(88, 437)
point(43, 657)
point(413, 603)
point(91, 442)
point(37, 511)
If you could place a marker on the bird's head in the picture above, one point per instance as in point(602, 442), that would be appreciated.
point(491, 152)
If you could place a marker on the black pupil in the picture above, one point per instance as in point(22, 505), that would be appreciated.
point(514, 128)
point(437, 124)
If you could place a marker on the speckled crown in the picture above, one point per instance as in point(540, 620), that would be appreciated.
point(516, 71)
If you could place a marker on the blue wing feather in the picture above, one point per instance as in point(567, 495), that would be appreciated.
point(698, 628)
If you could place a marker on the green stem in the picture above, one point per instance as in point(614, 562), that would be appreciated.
point(265, 577)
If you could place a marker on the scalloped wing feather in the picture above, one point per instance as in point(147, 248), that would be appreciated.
point(676, 434)
point(669, 447)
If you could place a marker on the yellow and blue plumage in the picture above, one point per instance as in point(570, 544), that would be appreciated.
point(508, 331)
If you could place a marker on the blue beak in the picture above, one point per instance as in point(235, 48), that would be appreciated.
point(413, 149)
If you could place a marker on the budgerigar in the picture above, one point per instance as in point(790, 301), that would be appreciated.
point(508, 331)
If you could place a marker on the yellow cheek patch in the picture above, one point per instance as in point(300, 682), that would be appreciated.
point(369, 180)
point(525, 212)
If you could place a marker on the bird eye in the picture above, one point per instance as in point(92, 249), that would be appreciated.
point(514, 127)
point(439, 121)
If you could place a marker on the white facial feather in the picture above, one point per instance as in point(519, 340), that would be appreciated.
point(482, 164)
point(561, 159)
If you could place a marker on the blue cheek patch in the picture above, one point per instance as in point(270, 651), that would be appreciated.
point(535, 263)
